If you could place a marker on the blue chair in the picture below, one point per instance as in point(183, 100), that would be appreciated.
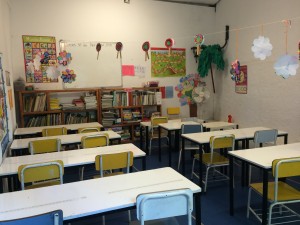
point(49, 218)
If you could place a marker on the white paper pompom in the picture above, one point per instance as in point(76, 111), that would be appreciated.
point(262, 48)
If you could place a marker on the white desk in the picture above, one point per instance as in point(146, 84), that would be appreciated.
point(244, 134)
point(262, 158)
point(95, 196)
point(38, 130)
point(19, 144)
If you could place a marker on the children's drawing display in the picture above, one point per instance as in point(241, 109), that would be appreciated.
point(91, 65)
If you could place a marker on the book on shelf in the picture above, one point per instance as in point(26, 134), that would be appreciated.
point(47, 120)
point(35, 103)
point(76, 118)
point(107, 100)
point(54, 104)
point(120, 98)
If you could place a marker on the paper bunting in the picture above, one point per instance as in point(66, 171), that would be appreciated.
point(146, 47)
point(286, 66)
point(119, 47)
point(199, 40)
point(68, 76)
point(64, 58)
point(262, 48)
point(169, 43)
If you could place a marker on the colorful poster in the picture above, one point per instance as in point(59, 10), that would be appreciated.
point(164, 64)
point(241, 84)
point(39, 55)
point(3, 114)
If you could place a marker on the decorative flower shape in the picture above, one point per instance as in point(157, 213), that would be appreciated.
point(68, 76)
point(262, 48)
point(286, 66)
point(64, 58)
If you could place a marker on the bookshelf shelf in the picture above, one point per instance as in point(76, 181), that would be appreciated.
point(44, 107)
point(122, 109)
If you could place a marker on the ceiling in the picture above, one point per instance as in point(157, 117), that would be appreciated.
point(207, 3)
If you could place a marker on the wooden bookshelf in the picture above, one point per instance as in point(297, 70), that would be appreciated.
point(122, 109)
point(42, 107)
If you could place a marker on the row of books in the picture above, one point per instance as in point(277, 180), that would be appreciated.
point(122, 131)
point(35, 103)
point(47, 120)
point(120, 98)
point(90, 101)
point(76, 118)
point(110, 118)
point(107, 100)
point(130, 117)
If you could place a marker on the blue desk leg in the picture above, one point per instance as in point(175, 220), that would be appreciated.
point(231, 193)
point(265, 197)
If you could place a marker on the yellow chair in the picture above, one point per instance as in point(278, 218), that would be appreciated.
point(41, 174)
point(111, 162)
point(173, 112)
point(88, 129)
point(154, 130)
point(214, 158)
point(92, 141)
point(44, 146)
point(280, 193)
point(54, 131)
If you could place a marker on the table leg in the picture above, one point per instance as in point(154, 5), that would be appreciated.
point(183, 157)
point(144, 163)
point(177, 137)
point(141, 137)
point(147, 140)
point(198, 208)
point(231, 193)
point(159, 142)
point(265, 197)
point(170, 147)
point(1, 184)
point(200, 166)
point(285, 139)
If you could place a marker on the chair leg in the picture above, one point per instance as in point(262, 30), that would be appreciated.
point(81, 170)
point(179, 159)
point(193, 165)
point(206, 178)
point(129, 216)
point(248, 202)
point(103, 220)
point(150, 146)
point(270, 214)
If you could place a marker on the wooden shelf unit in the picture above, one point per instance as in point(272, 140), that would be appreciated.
point(28, 109)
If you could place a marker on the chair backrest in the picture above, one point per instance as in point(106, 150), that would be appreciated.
point(44, 146)
point(88, 129)
point(194, 119)
point(265, 136)
point(158, 205)
point(173, 110)
point(41, 172)
point(113, 161)
point(223, 141)
point(95, 140)
point(283, 168)
point(157, 120)
point(49, 218)
point(191, 128)
point(54, 131)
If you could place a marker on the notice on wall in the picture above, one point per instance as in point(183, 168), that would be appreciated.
point(39, 55)
point(241, 84)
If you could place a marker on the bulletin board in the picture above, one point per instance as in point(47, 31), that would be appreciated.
point(92, 70)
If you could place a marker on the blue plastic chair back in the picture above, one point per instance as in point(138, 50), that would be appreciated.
point(191, 128)
point(265, 136)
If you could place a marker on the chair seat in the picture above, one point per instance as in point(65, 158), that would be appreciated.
point(165, 221)
point(285, 191)
point(218, 159)
point(109, 174)
point(42, 184)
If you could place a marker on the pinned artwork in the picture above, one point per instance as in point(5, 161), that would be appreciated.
point(235, 70)
point(39, 54)
point(146, 47)
point(169, 43)
point(98, 49)
point(262, 48)
point(119, 47)
point(241, 84)
point(286, 66)
point(68, 76)
point(199, 40)
point(185, 88)
point(64, 58)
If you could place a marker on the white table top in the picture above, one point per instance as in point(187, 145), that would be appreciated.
point(89, 197)
point(263, 157)
point(203, 138)
point(35, 130)
point(70, 158)
point(175, 125)
point(218, 125)
point(65, 139)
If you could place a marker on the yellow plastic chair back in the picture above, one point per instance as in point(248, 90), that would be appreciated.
point(38, 172)
point(157, 120)
point(113, 161)
point(217, 142)
point(44, 146)
point(54, 131)
point(88, 129)
point(173, 110)
point(287, 167)
point(93, 141)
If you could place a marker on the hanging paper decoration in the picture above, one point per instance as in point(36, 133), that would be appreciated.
point(185, 88)
point(68, 76)
point(235, 70)
point(146, 47)
point(64, 58)
point(98, 48)
point(262, 48)
point(286, 66)
point(199, 40)
point(45, 58)
point(169, 44)
point(119, 47)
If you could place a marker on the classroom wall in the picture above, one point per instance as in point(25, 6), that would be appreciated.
point(111, 21)
point(271, 101)
point(5, 49)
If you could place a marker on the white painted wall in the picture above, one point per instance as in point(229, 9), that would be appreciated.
point(112, 20)
point(271, 101)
